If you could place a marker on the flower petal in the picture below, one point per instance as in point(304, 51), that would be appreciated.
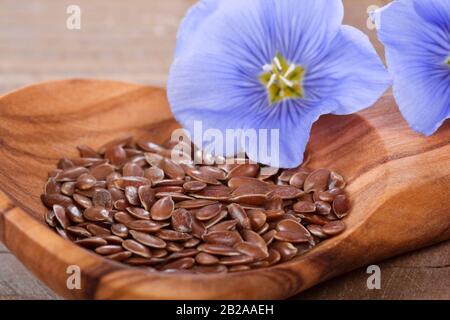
point(294, 122)
point(416, 50)
point(351, 74)
point(192, 21)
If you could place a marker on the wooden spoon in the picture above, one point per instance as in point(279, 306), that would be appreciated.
point(399, 186)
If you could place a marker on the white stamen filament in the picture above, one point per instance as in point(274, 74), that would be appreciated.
point(271, 81)
point(277, 63)
point(267, 67)
point(290, 70)
point(287, 82)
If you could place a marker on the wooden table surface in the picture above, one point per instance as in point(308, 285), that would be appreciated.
point(133, 41)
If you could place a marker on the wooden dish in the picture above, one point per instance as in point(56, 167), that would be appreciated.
point(399, 185)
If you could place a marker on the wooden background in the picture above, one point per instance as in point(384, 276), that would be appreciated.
point(133, 41)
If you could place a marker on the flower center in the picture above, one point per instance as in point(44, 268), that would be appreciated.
point(448, 61)
point(282, 80)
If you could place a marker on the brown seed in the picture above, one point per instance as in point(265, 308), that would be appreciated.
point(251, 250)
point(304, 206)
point(74, 214)
point(191, 243)
point(85, 181)
point(193, 204)
point(123, 217)
point(97, 231)
point(87, 152)
point(60, 215)
point(286, 192)
point(103, 198)
point(208, 212)
point(120, 256)
point(174, 195)
point(108, 250)
point(147, 196)
point(193, 186)
point(182, 254)
point(263, 229)
point(153, 159)
point(227, 238)
point(50, 218)
point(116, 155)
point(132, 196)
point(317, 180)
point(336, 181)
point(210, 269)
point(183, 263)
point(212, 222)
point(217, 249)
point(323, 208)
point(112, 239)
point(198, 228)
point(70, 174)
point(341, 206)
point(253, 238)
point(298, 179)
point(291, 231)
point(182, 220)
point(145, 225)
point(274, 257)
point(162, 209)
point(53, 187)
point(100, 172)
point(138, 213)
point(119, 230)
point(148, 240)
point(317, 231)
point(83, 201)
point(172, 235)
point(333, 228)
point(92, 242)
point(154, 174)
point(159, 253)
point(224, 226)
point(52, 199)
point(286, 250)
point(174, 247)
point(257, 218)
point(96, 214)
point(67, 188)
point(132, 170)
point(314, 218)
point(204, 258)
point(238, 268)
point(236, 212)
point(236, 260)
point(172, 170)
point(274, 214)
point(269, 236)
point(137, 248)
point(78, 231)
point(244, 170)
point(123, 182)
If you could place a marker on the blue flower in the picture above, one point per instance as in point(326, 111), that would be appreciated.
point(271, 64)
point(416, 35)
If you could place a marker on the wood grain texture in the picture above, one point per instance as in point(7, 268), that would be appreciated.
point(398, 184)
point(133, 40)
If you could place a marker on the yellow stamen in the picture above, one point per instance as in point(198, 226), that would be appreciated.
point(282, 80)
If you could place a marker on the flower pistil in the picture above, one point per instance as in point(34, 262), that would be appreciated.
point(282, 80)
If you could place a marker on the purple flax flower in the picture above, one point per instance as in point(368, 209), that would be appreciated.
point(416, 35)
point(271, 64)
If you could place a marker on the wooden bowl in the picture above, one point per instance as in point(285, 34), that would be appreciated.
point(399, 186)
